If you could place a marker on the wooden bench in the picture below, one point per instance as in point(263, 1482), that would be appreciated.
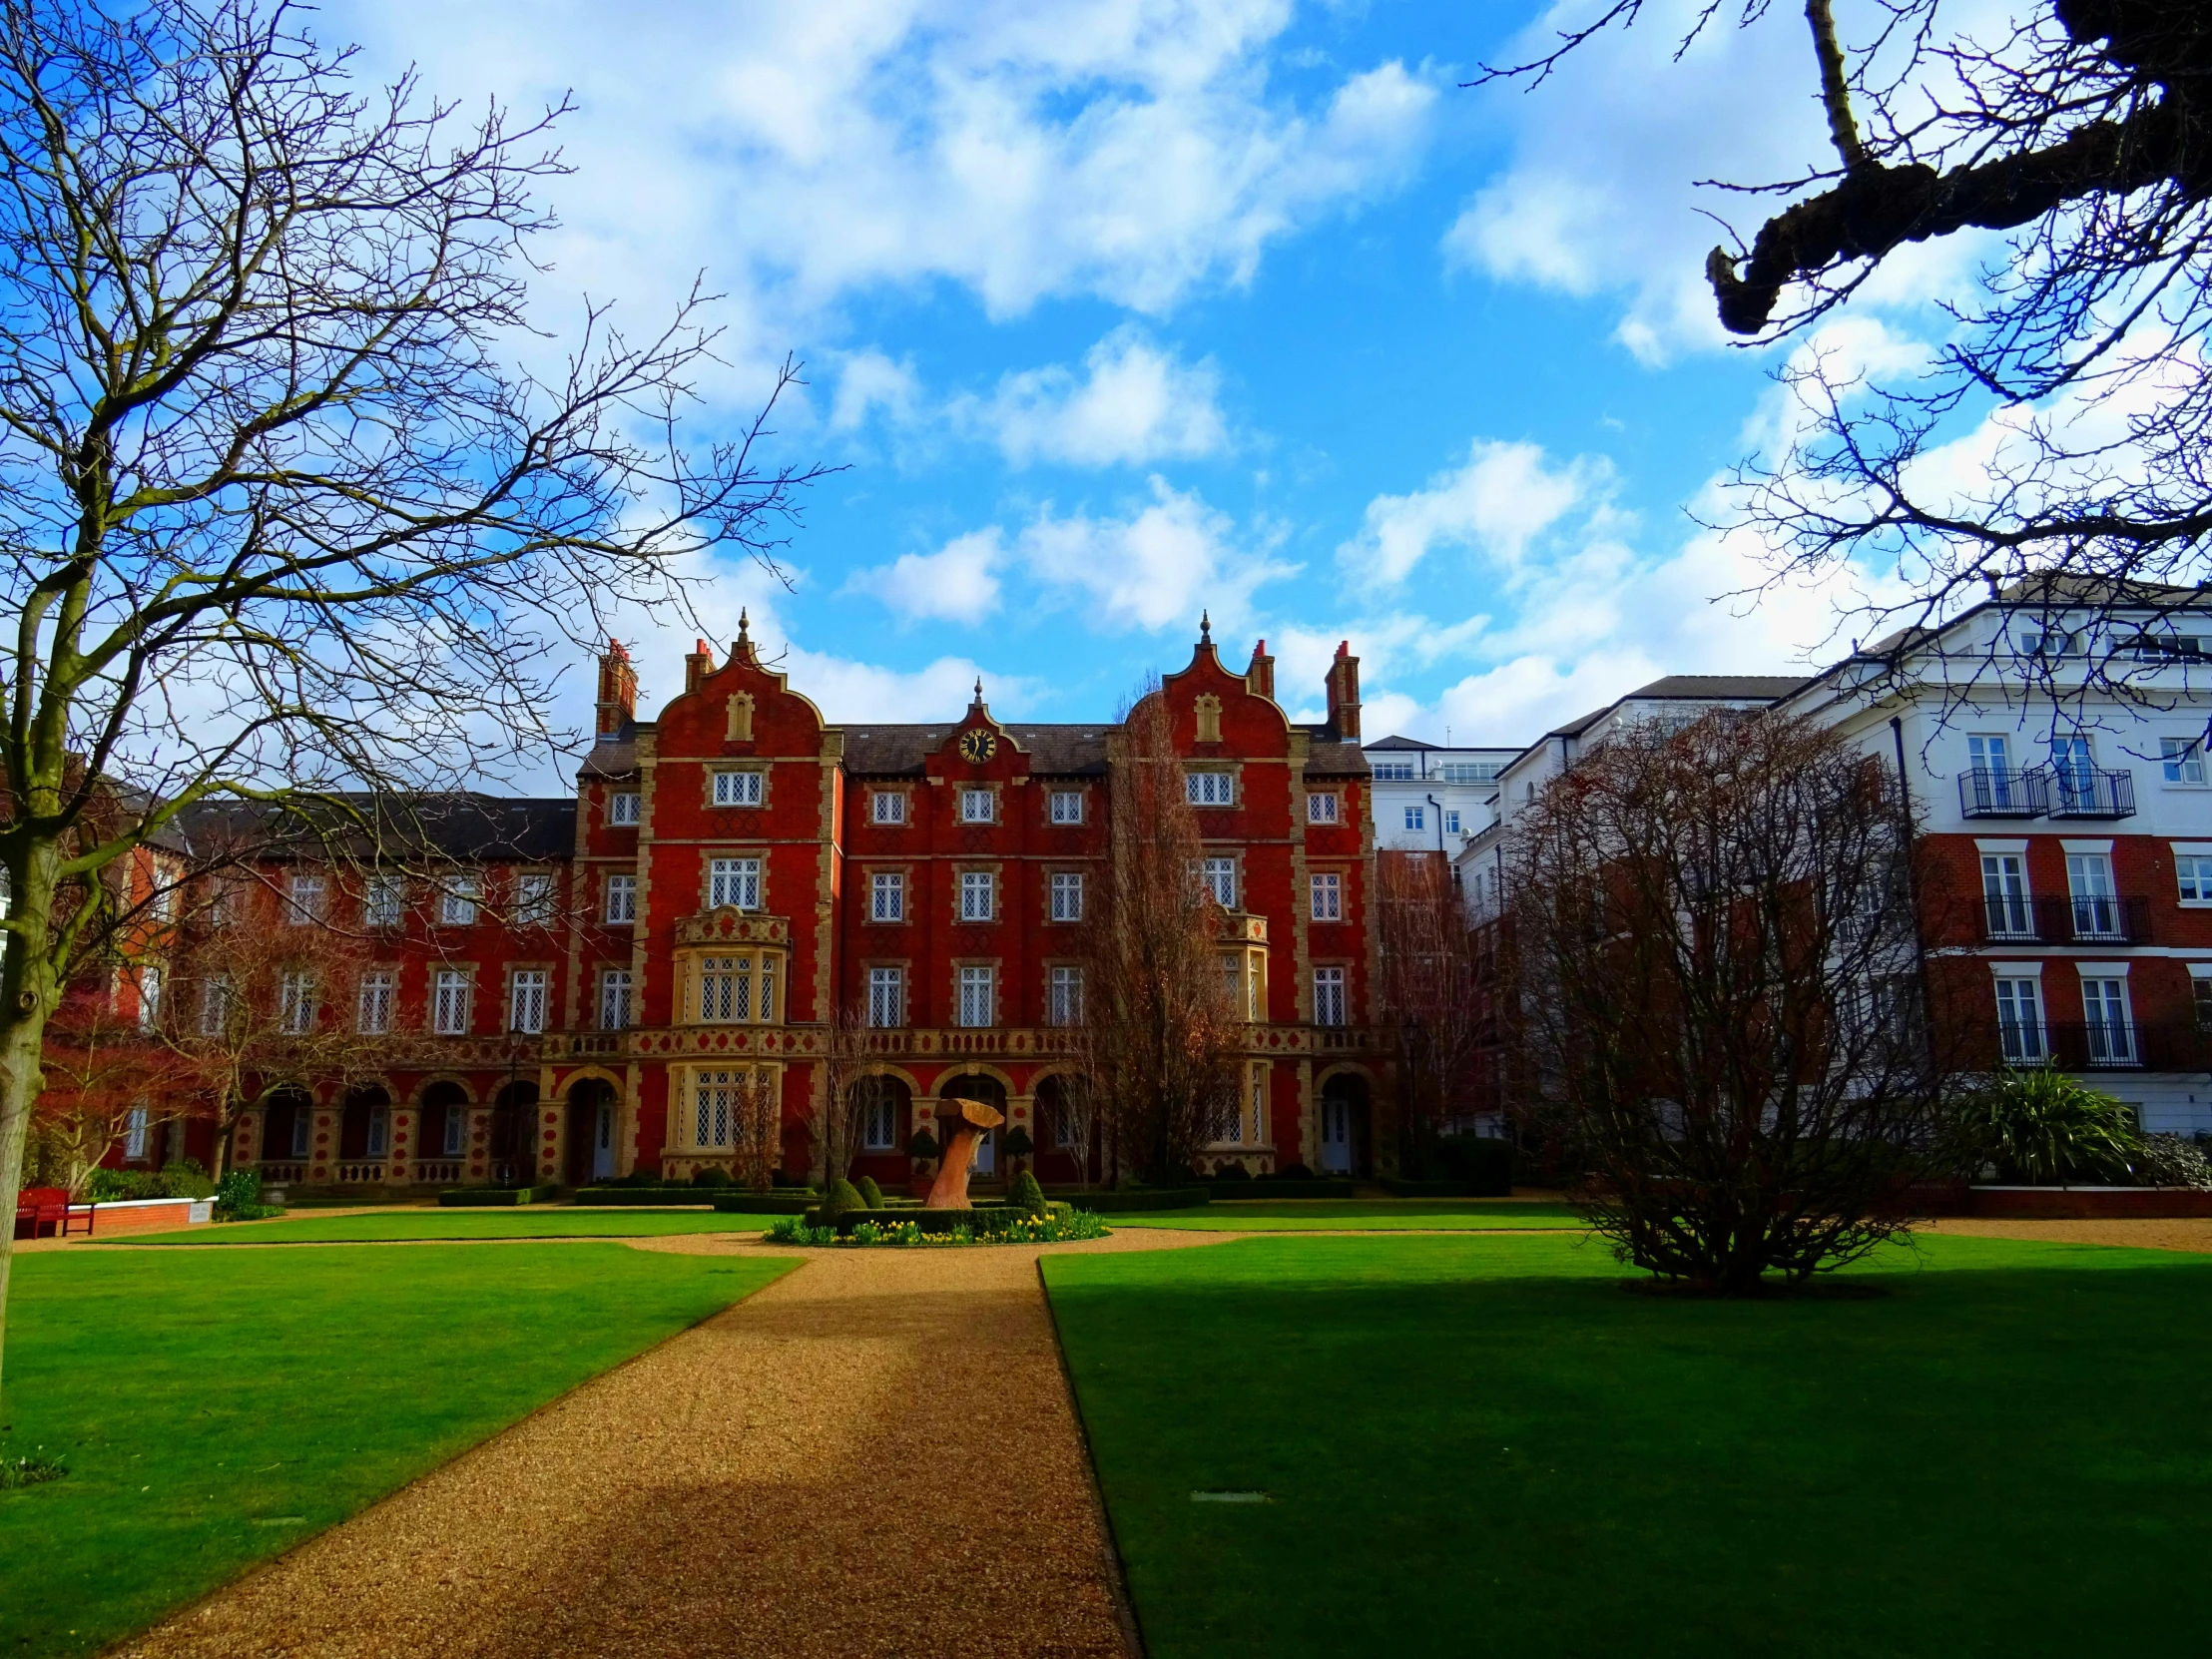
point(45, 1212)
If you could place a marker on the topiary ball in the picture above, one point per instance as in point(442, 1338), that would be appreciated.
point(841, 1197)
point(871, 1194)
point(712, 1174)
point(1025, 1194)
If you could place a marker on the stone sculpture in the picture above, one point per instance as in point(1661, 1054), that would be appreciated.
point(969, 1122)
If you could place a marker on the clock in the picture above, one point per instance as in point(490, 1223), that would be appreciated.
point(979, 745)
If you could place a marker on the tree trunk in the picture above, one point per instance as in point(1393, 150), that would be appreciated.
point(27, 997)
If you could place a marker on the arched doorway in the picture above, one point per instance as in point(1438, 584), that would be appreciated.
point(364, 1129)
point(980, 1086)
point(443, 1134)
point(883, 1108)
point(1343, 1125)
point(514, 1115)
point(591, 1131)
point(288, 1135)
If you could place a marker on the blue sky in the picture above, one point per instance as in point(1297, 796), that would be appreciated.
point(1117, 310)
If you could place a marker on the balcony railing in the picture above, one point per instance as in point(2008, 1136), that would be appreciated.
point(442, 1171)
point(361, 1174)
point(283, 1171)
point(2077, 794)
point(2106, 919)
point(2104, 1045)
point(1991, 791)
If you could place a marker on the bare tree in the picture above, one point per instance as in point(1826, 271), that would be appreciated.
point(1429, 990)
point(265, 996)
point(2082, 130)
point(759, 1130)
point(1715, 999)
point(282, 519)
point(850, 1088)
point(1164, 1034)
point(99, 1067)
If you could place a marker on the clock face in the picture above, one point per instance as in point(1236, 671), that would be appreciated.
point(979, 745)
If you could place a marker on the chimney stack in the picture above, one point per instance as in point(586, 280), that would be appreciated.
point(1260, 677)
point(698, 665)
point(618, 690)
point(1343, 694)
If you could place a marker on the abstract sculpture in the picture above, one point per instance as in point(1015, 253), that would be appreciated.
point(970, 1120)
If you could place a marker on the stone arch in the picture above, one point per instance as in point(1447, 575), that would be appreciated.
point(288, 1124)
point(593, 1103)
point(445, 1079)
point(442, 1106)
point(975, 1068)
point(1346, 1096)
point(514, 1129)
point(364, 1122)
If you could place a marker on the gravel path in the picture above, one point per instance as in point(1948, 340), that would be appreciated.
point(2185, 1233)
point(876, 1455)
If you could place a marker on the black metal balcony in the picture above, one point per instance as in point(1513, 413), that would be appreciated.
point(1992, 791)
point(2109, 1046)
point(2108, 918)
point(2104, 794)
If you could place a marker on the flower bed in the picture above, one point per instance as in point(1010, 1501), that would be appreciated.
point(916, 1229)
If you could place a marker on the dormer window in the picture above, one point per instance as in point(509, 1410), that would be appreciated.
point(622, 808)
point(738, 789)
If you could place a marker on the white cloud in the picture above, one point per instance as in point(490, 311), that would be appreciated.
point(805, 157)
point(1159, 565)
point(1504, 496)
point(1134, 404)
point(870, 380)
point(957, 583)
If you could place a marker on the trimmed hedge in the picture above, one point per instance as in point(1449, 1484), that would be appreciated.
point(658, 1197)
point(489, 1198)
point(1139, 1198)
point(1274, 1186)
point(785, 1203)
point(1397, 1187)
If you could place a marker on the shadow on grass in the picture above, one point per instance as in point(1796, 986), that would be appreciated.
point(1479, 1445)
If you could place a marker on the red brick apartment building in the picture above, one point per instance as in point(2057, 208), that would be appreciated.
point(582, 996)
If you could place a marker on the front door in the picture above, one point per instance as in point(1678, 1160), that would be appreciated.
point(1335, 1137)
point(603, 1142)
point(986, 1153)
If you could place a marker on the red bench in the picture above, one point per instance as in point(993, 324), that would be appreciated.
point(45, 1212)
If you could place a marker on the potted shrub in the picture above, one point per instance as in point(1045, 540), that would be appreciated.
point(1018, 1148)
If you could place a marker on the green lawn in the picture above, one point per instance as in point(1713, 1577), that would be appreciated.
point(1357, 1215)
point(217, 1407)
point(531, 1221)
point(1479, 1446)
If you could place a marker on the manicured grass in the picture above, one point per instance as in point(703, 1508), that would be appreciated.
point(218, 1406)
point(1476, 1446)
point(1356, 1215)
point(531, 1221)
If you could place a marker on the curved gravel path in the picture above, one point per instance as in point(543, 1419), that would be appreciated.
point(876, 1455)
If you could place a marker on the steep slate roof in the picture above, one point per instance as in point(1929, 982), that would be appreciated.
point(1689, 688)
point(1334, 758)
point(1400, 743)
point(466, 827)
point(879, 751)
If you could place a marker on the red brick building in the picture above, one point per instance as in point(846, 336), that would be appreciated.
point(583, 994)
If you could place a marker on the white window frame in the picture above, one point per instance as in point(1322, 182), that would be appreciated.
point(1210, 788)
point(1321, 806)
point(725, 990)
point(138, 1125)
point(2023, 1028)
point(978, 1003)
point(1451, 821)
point(623, 809)
point(621, 908)
point(304, 900)
point(978, 806)
point(453, 1002)
point(2181, 763)
point(887, 896)
point(1066, 806)
point(298, 1000)
point(533, 907)
point(1328, 896)
point(880, 1122)
point(149, 996)
point(735, 882)
point(978, 895)
point(374, 999)
point(2193, 857)
point(1416, 817)
point(888, 807)
point(1067, 896)
point(1220, 874)
point(2004, 881)
point(526, 999)
point(1064, 995)
point(740, 787)
point(614, 999)
point(1332, 1001)
point(384, 901)
point(886, 997)
point(2103, 992)
point(454, 1142)
point(458, 901)
point(215, 1005)
point(714, 1120)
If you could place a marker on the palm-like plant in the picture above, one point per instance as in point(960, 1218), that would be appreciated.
point(2042, 1127)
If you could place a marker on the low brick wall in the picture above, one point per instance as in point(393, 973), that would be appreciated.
point(2087, 1203)
point(149, 1214)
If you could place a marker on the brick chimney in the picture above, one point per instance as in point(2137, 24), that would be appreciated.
point(1260, 677)
point(1343, 694)
point(618, 690)
point(698, 665)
